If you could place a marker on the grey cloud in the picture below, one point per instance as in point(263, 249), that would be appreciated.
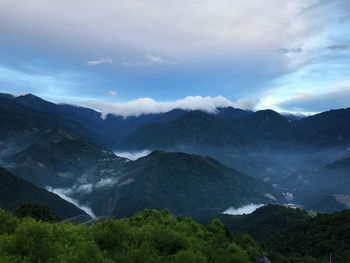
point(311, 102)
point(181, 29)
point(338, 47)
point(316, 5)
point(290, 50)
point(344, 19)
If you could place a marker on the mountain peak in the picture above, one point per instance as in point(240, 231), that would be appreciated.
point(33, 101)
point(6, 96)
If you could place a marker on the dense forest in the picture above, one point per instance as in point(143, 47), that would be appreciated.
point(150, 236)
point(316, 240)
point(33, 233)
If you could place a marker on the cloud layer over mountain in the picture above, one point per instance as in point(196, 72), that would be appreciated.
point(148, 105)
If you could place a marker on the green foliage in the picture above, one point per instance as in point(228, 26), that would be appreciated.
point(291, 235)
point(314, 240)
point(265, 222)
point(8, 223)
point(150, 236)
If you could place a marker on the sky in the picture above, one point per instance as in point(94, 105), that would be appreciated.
point(137, 56)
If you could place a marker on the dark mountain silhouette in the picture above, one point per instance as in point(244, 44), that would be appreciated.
point(15, 191)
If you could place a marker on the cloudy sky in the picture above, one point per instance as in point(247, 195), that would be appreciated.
point(115, 56)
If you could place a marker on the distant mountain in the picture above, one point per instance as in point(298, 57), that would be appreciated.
point(232, 113)
point(15, 191)
point(41, 151)
point(6, 95)
point(293, 117)
point(332, 203)
point(108, 131)
point(199, 129)
point(67, 146)
point(269, 128)
point(183, 183)
point(323, 121)
point(328, 128)
point(325, 189)
point(194, 129)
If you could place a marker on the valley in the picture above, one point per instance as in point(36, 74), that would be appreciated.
point(260, 173)
point(293, 161)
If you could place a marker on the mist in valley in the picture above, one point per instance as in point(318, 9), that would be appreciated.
point(132, 155)
point(64, 194)
point(244, 210)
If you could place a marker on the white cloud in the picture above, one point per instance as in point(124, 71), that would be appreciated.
point(158, 60)
point(84, 188)
point(150, 60)
point(148, 105)
point(246, 104)
point(112, 93)
point(106, 182)
point(99, 61)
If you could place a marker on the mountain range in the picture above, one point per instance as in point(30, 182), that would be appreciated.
point(261, 156)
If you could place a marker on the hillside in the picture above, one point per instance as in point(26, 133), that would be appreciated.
point(269, 128)
point(14, 192)
point(315, 239)
point(327, 129)
point(325, 189)
point(293, 235)
point(88, 123)
point(194, 129)
point(41, 151)
point(265, 222)
point(183, 183)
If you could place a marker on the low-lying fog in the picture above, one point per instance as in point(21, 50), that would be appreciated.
point(61, 192)
point(134, 155)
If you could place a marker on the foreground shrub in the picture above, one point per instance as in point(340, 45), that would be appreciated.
point(151, 236)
